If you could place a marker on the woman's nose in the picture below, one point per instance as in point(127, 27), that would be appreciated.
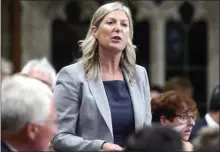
point(118, 28)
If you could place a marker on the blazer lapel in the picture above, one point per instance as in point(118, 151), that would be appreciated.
point(98, 91)
point(136, 101)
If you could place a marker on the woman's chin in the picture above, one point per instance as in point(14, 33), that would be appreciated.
point(116, 47)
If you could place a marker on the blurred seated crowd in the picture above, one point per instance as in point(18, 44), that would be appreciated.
point(29, 121)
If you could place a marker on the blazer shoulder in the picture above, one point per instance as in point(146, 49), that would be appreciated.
point(73, 68)
point(73, 71)
point(140, 70)
point(141, 74)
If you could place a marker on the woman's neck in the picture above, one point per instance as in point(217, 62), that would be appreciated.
point(110, 65)
point(109, 62)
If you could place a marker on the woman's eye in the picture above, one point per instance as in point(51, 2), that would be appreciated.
point(109, 23)
point(124, 24)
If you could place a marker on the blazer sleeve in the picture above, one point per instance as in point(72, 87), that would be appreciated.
point(148, 114)
point(67, 99)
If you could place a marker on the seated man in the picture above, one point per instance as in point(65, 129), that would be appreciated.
point(212, 117)
point(28, 115)
point(175, 110)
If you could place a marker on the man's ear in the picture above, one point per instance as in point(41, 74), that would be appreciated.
point(163, 120)
point(32, 130)
point(94, 31)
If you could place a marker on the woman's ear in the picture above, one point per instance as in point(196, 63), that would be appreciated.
point(163, 120)
point(94, 31)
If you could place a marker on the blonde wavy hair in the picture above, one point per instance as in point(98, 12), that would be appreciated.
point(89, 46)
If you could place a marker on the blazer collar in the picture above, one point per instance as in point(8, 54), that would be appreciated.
point(98, 91)
point(136, 101)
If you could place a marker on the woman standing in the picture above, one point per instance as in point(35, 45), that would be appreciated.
point(105, 96)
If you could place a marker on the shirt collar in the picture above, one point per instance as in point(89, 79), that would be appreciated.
point(211, 122)
point(10, 147)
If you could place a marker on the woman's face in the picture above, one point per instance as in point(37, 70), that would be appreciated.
point(183, 123)
point(113, 32)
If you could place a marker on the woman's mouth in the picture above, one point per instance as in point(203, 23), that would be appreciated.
point(116, 38)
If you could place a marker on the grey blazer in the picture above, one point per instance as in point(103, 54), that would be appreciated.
point(84, 116)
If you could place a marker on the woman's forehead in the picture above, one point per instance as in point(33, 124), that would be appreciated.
point(117, 15)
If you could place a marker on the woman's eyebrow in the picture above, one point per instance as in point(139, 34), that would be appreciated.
point(122, 20)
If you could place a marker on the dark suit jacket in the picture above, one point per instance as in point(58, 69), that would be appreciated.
point(200, 124)
point(4, 147)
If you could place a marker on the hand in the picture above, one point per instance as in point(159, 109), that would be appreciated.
point(111, 147)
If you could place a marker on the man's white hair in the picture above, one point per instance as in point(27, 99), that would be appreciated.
point(41, 65)
point(24, 100)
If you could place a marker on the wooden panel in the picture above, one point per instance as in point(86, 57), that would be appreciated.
point(16, 34)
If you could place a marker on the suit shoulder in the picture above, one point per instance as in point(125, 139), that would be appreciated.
point(140, 69)
point(199, 124)
point(73, 68)
point(141, 74)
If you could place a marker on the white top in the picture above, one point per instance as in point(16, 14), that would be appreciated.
point(211, 123)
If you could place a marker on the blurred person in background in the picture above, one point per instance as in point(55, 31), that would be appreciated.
point(180, 84)
point(212, 117)
point(6, 68)
point(42, 70)
point(28, 115)
point(105, 96)
point(155, 90)
point(154, 139)
point(183, 85)
point(207, 140)
point(175, 110)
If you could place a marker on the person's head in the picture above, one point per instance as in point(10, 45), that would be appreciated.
point(40, 69)
point(28, 113)
point(154, 139)
point(208, 139)
point(155, 90)
point(214, 105)
point(180, 84)
point(110, 32)
point(176, 110)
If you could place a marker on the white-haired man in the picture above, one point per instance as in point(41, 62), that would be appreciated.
point(40, 69)
point(28, 116)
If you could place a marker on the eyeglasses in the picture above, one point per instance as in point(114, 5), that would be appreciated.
point(185, 118)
